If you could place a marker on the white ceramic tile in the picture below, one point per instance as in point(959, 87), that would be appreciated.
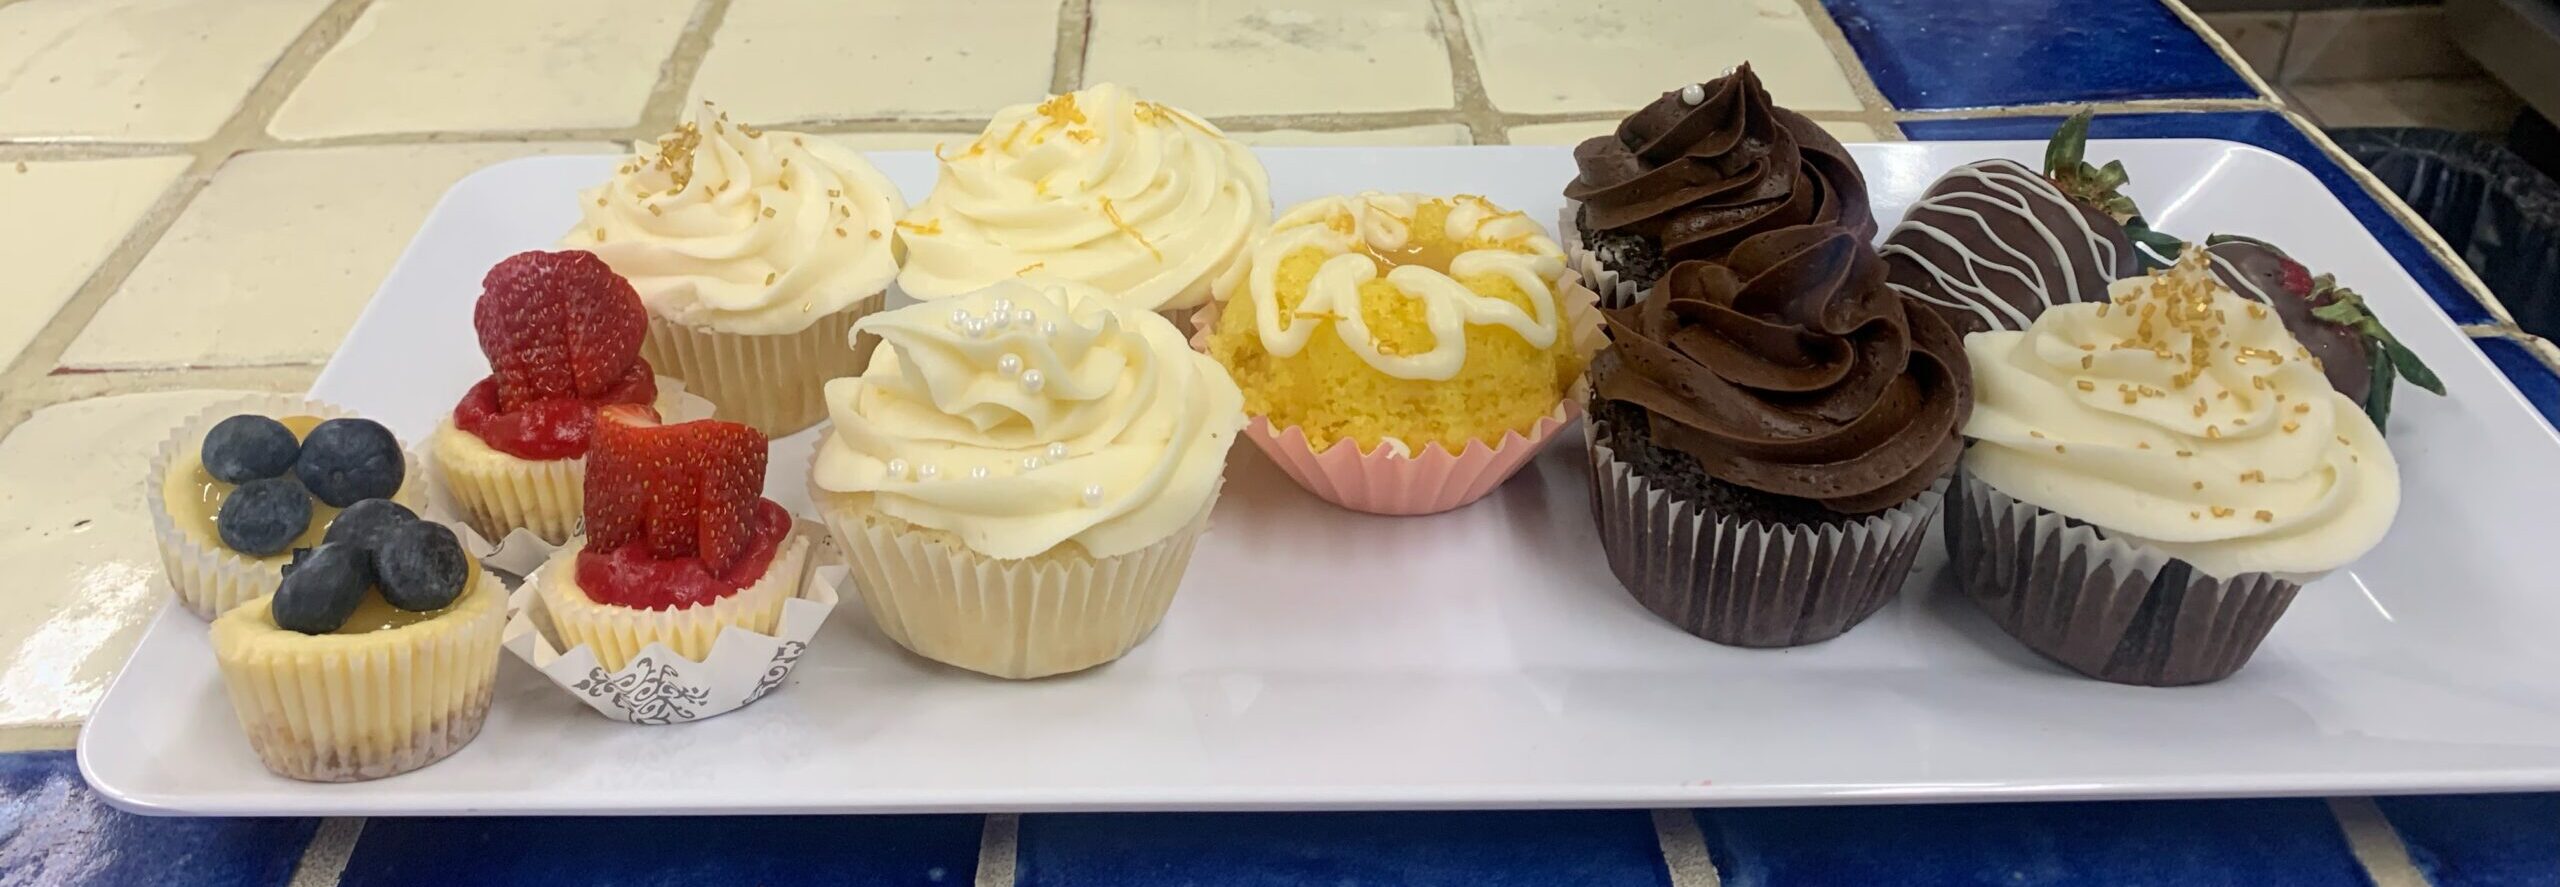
point(1540, 56)
point(474, 65)
point(775, 61)
point(137, 70)
point(84, 574)
point(1575, 133)
point(2373, 44)
point(2259, 37)
point(2476, 104)
point(272, 262)
point(1303, 57)
point(52, 253)
point(1434, 134)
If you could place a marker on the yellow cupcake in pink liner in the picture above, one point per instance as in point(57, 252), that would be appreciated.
point(1400, 353)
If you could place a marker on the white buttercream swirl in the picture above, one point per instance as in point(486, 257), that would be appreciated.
point(1142, 201)
point(1351, 231)
point(2242, 461)
point(744, 231)
point(1023, 416)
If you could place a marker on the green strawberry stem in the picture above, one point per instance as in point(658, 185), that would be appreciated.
point(2066, 163)
point(2391, 360)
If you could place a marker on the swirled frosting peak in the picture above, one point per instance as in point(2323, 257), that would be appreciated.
point(1142, 201)
point(1708, 165)
point(742, 230)
point(1023, 416)
point(2182, 415)
point(1791, 369)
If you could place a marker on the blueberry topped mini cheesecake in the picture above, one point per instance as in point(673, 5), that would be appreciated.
point(239, 487)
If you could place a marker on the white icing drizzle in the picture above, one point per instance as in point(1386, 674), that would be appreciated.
point(2009, 188)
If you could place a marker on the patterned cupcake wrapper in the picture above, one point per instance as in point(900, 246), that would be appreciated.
point(2113, 609)
point(517, 512)
point(348, 714)
point(660, 684)
point(775, 383)
point(1614, 293)
point(208, 578)
point(1746, 583)
point(620, 636)
point(1016, 619)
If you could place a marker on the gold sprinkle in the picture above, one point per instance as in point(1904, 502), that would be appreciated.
point(804, 307)
point(2084, 346)
point(653, 210)
point(2257, 312)
point(2239, 421)
point(875, 233)
point(2342, 441)
point(2102, 308)
point(2279, 398)
point(845, 211)
point(22, 166)
point(768, 278)
point(2266, 517)
point(840, 232)
point(928, 226)
point(768, 212)
point(2057, 448)
point(1026, 269)
point(2220, 511)
point(2035, 434)
point(2258, 382)
point(2087, 361)
point(2291, 426)
point(2253, 476)
point(785, 183)
point(2213, 432)
point(2142, 445)
point(599, 201)
point(2222, 395)
point(2200, 408)
point(2199, 485)
point(797, 142)
point(2302, 408)
point(835, 192)
point(2185, 453)
point(2086, 385)
point(599, 235)
point(2195, 515)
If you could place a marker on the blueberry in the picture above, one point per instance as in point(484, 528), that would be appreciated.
point(421, 566)
point(364, 523)
point(244, 448)
point(346, 461)
point(321, 588)
point(262, 517)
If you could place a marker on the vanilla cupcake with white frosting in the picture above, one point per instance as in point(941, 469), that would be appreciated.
point(1019, 477)
point(1140, 200)
point(755, 251)
point(2152, 479)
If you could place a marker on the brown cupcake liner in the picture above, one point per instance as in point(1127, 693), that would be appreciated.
point(775, 383)
point(1603, 280)
point(2109, 608)
point(1743, 582)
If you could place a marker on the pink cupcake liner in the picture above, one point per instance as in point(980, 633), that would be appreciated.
point(1389, 480)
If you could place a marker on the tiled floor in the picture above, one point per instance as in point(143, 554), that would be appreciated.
point(199, 195)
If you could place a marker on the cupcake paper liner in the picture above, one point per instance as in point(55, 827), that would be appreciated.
point(775, 383)
point(1743, 582)
point(1613, 292)
point(2110, 608)
point(1053, 613)
point(342, 710)
point(208, 578)
point(659, 685)
point(513, 512)
point(620, 636)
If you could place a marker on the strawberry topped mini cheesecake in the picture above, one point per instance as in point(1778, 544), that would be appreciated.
point(680, 541)
point(562, 333)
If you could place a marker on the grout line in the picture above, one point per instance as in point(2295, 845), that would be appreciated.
point(996, 847)
point(2488, 330)
point(667, 98)
point(1684, 849)
point(1075, 36)
point(2376, 845)
point(1846, 57)
point(2057, 109)
point(1475, 108)
point(39, 737)
point(324, 862)
point(2230, 57)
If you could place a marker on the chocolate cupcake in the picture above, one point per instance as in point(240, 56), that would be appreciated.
point(1693, 175)
point(2153, 479)
point(1771, 435)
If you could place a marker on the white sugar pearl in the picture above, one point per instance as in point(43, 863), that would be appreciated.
point(1693, 94)
point(979, 473)
point(898, 469)
point(974, 327)
point(1033, 381)
point(928, 471)
point(1009, 364)
point(959, 317)
point(1023, 317)
point(1092, 495)
point(1049, 328)
point(1001, 307)
point(1058, 452)
point(1031, 463)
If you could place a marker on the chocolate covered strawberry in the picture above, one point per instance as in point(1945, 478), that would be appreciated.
point(2360, 357)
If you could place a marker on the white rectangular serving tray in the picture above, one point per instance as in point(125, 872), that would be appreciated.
point(1317, 658)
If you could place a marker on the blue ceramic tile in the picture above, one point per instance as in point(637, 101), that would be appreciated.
point(2288, 843)
point(2480, 840)
point(1983, 53)
point(55, 831)
point(650, 851)
point(1600, 849)
point(2530, 376)
point(2260, 128)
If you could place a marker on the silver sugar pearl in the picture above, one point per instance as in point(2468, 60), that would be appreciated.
point(928, 471)
point(979, 473)
point(1058, 452)
point(1009, 364)
point(1031, 464)
point(898, 469)
point(1033, 381)
point(1023, 317)
point(1092, 495)
point(1693, 94)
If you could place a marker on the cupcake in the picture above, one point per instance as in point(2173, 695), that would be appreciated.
point(238, 487)
point(562, 334)
point(1694, 174)
point(680, 542)
point(2153, 479)
point(1019, 478)
point(1403, 354)
point(1770, 437)
point(375, 656)
point(754, 252)
point(1141, 201)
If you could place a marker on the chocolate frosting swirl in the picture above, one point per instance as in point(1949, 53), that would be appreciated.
point(1791, 369)
point(1700, 178)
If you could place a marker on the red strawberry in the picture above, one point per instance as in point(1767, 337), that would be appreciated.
point(685, 490)
point(557, 325)
point(2293, 277)
point(732, 485)
point(616, 502)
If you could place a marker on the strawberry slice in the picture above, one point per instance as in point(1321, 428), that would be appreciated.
point(557, 325)
point(686, 490)
point(616, 494)
point(732, 459)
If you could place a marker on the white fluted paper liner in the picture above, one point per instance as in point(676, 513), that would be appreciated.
point(775, 383)
point(345, 708)
point(513, 513)
point(660, 685)
point(1613, 292)
point(208, 578)
point(1744, 582)
point(1053, 613)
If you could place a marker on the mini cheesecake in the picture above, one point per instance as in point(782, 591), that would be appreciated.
point(208, 574)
